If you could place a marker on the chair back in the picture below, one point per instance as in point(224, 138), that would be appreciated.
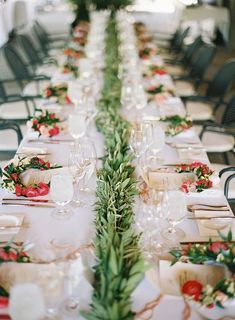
point(192, 50)
point(180, 39)
point(229, 113)
point(42, 40)
point(16, 64)
point(202, 61)
point(29, 49)
point(2, 93)
point(222, 81)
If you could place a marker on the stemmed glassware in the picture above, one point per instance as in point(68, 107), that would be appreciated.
point(177, 210)
point(77, 124)
point(75, 93)
point(61, 192)
point(137, 142)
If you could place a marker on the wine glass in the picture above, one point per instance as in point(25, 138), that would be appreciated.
point(77, 124)
point(158, 139)
point(137, 144)
point(75, 92)
point(177, 210)
point(61, 192)
point(76, 169)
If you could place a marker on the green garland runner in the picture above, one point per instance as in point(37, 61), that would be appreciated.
point(119, 266)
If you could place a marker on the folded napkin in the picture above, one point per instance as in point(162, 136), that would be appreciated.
point(189, 133)
point(212, 196)
point(168, 178)
point(15, 220)
point(34, 176)
point(212, 226)
point(32, 150)
point(192, 154)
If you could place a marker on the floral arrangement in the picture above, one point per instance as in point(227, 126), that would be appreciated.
point(155, 70)
point(202, 173)
point(58, 92)
point(147, 52)
point(70, 68)
point(211, 252)
point(208, 295)
point(74, 53)
point(177, 124)
point(45, 123)
point(159, 89)
point(11, 176)
point(80, 39)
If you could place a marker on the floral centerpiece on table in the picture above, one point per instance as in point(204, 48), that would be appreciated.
point(208, 295)
point(154, 70)
point(57, 93)
point(81, 40)
point(70, 68)
point(12, 180)
point(202, 173)
point(74, 53)
point(177, 124)
point(45, 122)
point(219, 252)
point(147, 52)
point(159, 92)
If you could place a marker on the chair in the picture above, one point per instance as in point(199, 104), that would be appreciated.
point(186, 85)
point(15, 107)
point(22, 75)
point(219, 137)
point(203, 108)
point(10, 138)
point(39, 65)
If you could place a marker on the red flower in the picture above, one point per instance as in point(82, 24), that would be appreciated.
point(18, 189)
point(35, 121)
point(183, 167)
point(14, 176)
point(52, 116)
point(68, 101)
point(195, 164)
point(31, 192)
point(54, 131)
point(43, 189)
point(192, 288)
point(48, 93)
point(216, 247)
point(4, 301)
point(185, 187)
point(48, 165)
point(12, 256)
point(160, 71)
point(41, 161)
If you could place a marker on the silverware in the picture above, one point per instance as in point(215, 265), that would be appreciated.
point(50, 141)
point(15, 204)
point(210, 218)
point(32, 154)
point(28, 200)
point(13, 227)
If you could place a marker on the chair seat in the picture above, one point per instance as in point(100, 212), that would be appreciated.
point(217, 167)
point(216, 142)
point(47, 70)
point(185, 88)
point(8, 139)
point(34, 88)
point(175, 70)
point(15, 110)
point(198, 110)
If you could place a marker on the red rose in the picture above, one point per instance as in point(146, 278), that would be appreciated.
point(52, 116)
point(68, 101)
point(51, 132)
point(192, 288)
point(14, 176)
point(43, 189)
point(48, 93)
point(31, 192)
point(185, 188)
point(216, 247)
point(41, 161)
point(48, 165)
point(183, 167)
point(18, 190)
point(35, 121)
point(57, 130)
point(4, 301)
point(12, 256)
point(160, 71)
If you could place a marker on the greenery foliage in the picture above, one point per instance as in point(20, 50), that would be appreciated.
point(110, 4)
point(119, 265)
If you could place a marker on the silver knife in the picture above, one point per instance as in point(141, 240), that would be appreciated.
point(41, 205)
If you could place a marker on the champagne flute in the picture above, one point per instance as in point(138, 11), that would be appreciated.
point(137, 144)
point(75, 92)
point(61, 192)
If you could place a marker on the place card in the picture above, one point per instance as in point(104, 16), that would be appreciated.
point(173, 277)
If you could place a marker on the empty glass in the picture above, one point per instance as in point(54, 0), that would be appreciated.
point(74, 92)
point(77, 124)
point(61, 192)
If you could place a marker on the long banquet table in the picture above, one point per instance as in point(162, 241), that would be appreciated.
point(79, 230)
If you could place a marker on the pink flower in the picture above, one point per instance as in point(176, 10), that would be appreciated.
point(31, 192)
point(43, 189)
point(14, 176)
point(216, 247)
point(3, 254)
point(44, 131)
point(18, 189)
